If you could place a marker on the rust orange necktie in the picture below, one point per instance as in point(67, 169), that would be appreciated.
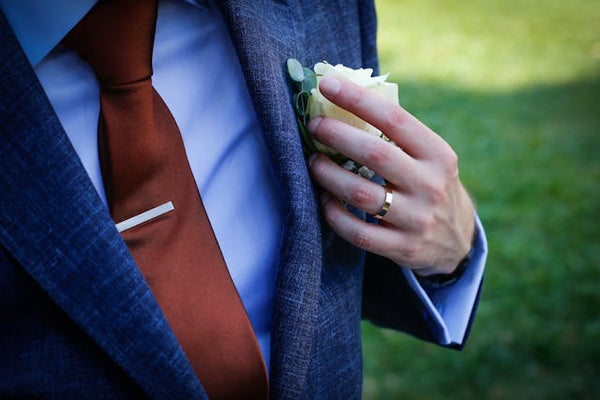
point(144, 166)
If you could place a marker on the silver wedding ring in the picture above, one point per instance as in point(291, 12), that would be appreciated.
point(389, 196)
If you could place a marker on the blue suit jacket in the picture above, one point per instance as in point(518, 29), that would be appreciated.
point(77, 319)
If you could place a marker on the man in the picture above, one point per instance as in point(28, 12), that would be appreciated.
point(77, 316)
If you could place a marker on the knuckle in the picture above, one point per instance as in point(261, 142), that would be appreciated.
point(411, 251)
point(356, 97)
point(361, 239)
point(446, 158)
point(439, 195)
point(424, 223)
point(396, 117)
point(377, 152)
point(436, 191)
point(360, 196)
point(450, 162)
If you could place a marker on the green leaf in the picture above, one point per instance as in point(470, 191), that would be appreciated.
point(301, 103)
point(309, 144)
point(295, 70)
point(307, 72)
point(309, 83)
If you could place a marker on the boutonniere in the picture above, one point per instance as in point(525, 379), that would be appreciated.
point(310, 103)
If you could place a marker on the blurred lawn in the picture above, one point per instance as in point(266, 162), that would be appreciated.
point(514, 86)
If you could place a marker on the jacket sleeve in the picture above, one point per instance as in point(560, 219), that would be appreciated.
point(392, 298)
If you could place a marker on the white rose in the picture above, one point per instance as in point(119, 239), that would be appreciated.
point(320, 106)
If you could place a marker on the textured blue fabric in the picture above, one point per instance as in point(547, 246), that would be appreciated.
point(77, 319)
point(55, 226)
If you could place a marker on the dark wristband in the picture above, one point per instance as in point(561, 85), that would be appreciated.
point(443, 280)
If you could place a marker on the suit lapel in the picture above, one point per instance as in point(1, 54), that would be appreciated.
point(55, 225)
point(266, 34)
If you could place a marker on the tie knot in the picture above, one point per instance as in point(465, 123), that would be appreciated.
point(116, 38)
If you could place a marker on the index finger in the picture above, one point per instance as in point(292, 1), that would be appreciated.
point(396, 123)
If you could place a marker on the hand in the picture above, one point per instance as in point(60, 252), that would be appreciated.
point(430, 224)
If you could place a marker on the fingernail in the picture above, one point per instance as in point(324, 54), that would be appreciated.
point(330, 85)
point(325, 198)
point(312, 158)
point(312, 125)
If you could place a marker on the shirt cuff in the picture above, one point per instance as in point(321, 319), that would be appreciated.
point(451, 306)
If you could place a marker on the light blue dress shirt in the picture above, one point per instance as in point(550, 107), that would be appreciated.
point(198, 74)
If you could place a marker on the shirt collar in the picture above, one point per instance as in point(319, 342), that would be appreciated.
point(40, 24)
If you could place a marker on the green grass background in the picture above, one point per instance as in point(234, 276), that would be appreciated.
point(514, 86)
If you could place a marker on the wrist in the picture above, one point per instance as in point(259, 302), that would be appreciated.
point(437, 279)
point(440, 280)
